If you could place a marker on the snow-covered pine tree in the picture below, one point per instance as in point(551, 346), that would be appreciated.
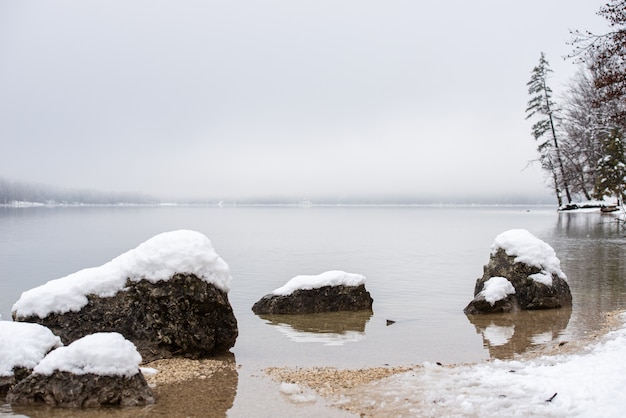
point(544, 130)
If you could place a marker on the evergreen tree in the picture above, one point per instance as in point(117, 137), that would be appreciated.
point(544, 130)
point(611, 169)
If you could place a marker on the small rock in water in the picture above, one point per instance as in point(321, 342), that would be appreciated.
point(390, 322)
point(317, 300)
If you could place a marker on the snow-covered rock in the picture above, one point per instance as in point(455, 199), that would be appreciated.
point(158, 259)
point(144, 294)
point(329, 278)
point(99, 369)
point(331, 291)
point(528, 249)
point(103, 353)
point(532, 271)
point(497, 288)
point(22, 346)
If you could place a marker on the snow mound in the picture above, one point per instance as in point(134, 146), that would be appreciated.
point(159, 258)
point(297, 394)
point(103, 353)
point(497, 288)
point(329, 278)
point(23, 344)
point(528, 249)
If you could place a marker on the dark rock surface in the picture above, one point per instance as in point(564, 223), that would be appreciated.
point(184, 316)
point(66, 389)
point(529, 293)
point(7, 382)
point(480, 305)
point(323, 299)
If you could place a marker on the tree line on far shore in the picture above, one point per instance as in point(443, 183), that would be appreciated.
point(580, 140)
point(19, 191)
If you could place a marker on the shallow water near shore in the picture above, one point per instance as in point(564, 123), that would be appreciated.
point(421, 264)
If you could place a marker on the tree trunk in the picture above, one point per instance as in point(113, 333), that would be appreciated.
point(556, 146)
point(557, 192)
point(558, 157)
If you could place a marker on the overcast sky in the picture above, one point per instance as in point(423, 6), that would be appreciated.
point(240, 99)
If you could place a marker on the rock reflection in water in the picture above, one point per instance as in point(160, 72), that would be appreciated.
point(508, 334)
point(329, 328)
point(210, 397)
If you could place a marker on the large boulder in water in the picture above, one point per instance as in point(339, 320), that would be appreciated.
point(331, 291)
point(523, 273)
point(97, 370)
point(168, 296)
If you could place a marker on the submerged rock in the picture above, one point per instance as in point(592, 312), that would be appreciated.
point(533, 271)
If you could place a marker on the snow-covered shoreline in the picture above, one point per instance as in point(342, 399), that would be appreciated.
point(578, 379)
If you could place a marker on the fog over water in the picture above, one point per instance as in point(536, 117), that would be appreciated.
point(214, 100)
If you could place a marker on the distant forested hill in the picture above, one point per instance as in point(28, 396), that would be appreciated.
point(20, 191)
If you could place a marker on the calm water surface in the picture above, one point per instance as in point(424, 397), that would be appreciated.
point(421, 264)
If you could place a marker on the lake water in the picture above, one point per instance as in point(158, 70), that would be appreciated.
point(421, 264)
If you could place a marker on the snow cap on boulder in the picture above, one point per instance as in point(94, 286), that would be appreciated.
point(328, 278)
point(102, 353)
point(528, 249)
point(159, 258)
point(497, 288)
